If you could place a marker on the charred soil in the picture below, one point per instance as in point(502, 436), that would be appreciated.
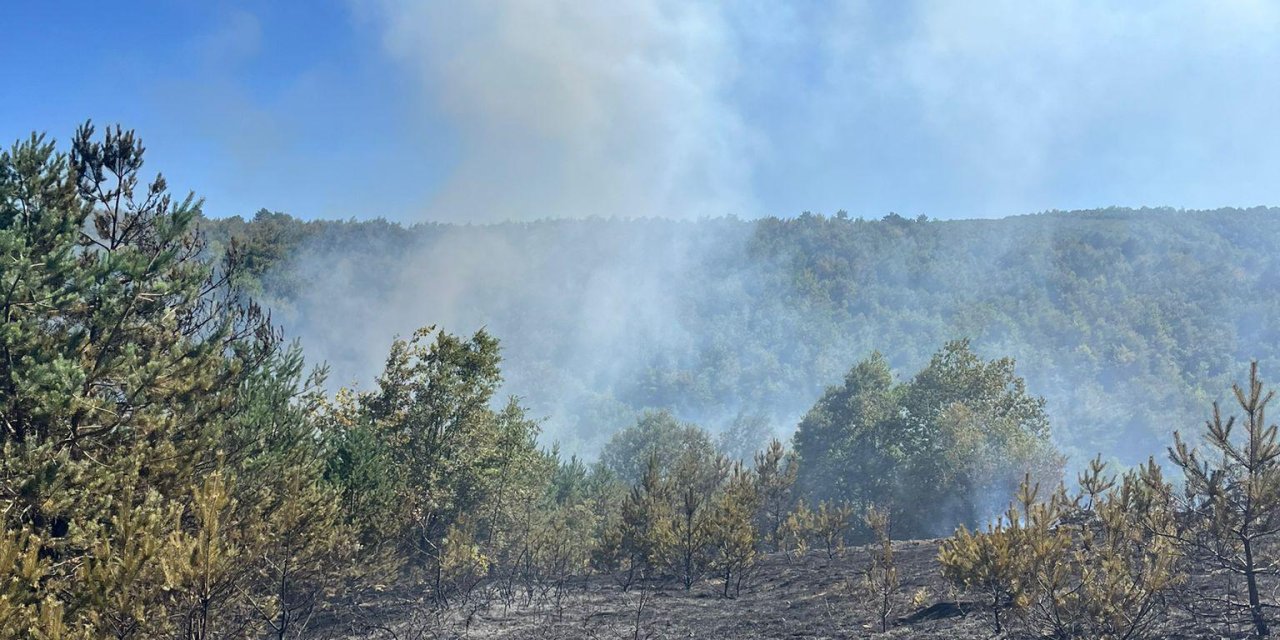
point(812, 596)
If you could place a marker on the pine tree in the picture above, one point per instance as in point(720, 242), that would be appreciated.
point(831, 524)
point(1097, 564)
point(694, 481)
point(161, 470)
point(639, 545)
point(372, 488)
point(733, 534)
point(298, 551)
point(881, 576)
point(121, 348)
point(1232, 496)
point(775, 470)
point(797, 531)
point(1127, 559)
point(205, 565)
point(988, 564)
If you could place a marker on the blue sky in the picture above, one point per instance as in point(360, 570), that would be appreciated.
point(521, 109)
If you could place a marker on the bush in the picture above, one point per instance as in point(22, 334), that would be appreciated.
point(1094, 565)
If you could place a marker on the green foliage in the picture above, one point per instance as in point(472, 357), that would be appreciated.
point(159, 462)
point(425, 463)
point(826, 528)
point(168, 470)
point(732, 533)
point(461, 563)
point(1113, 314)
point(795, 534)
point(936, 450)
point(361, 464)
point(847, 441)
point(775, 478)
point(432, 410)
point(700, 518)
point(690, 512)
point(656, 435)
point(745, 435)
point(695, 478)
point(1111, 573)
point(830, 526)
point(639, 545)
point(988, 564)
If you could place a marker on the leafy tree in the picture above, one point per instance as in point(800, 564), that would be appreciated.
point(432, 408)
point(846, 442)
point(431, 417)
point(974, 432)
point(655, 435)
point(935, 449)
point(744, 436)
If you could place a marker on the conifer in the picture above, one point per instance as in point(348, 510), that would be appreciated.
point(733, 534)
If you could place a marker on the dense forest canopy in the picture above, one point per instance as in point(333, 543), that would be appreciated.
point(1126, 321)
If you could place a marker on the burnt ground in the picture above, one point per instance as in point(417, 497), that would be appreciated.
point(809, 597)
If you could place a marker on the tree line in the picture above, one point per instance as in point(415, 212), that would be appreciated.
point(1114, 315)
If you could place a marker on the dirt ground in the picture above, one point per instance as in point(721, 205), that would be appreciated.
point(810, 597)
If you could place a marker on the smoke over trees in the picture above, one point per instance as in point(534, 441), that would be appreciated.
point(933, 450)
point(1112, 315)
point(170, 468)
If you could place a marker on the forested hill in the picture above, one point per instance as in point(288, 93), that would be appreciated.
point(1128, 321)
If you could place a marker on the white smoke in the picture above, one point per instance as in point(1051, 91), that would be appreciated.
point(555, 108)
point(575, 109)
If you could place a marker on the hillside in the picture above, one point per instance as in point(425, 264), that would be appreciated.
point(1129, 322)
